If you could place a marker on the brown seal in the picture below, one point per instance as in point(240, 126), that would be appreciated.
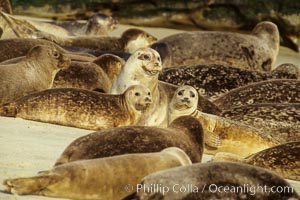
point(185, 133)
point(103, 178)
point(18, 47)
point(279, 121)
point(214, 80)
point(110, 64)
point(35, 73)
point(84, 75)
point(214, 180)
point(81, 108)
point(220, 134)
point(256, 51)
point(282, 159)
point(270, 91)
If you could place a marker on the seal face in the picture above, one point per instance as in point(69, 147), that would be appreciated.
point(270, 91)
point(35, 73)
point(82, 108)
point(278, 121)
point(185, 133)
point(104, 178)
point(257, 51)
point(282, 159)
point(208, 180)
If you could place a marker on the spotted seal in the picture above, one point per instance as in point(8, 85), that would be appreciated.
point(280, 121)
point(214, 80)
point(282, 159)
point(35, 73)
point(81, 108)
point(103, 178)
point(185, 133)
point(220, 134)
point(214, 180)
point(256, 51)
point(270, 91)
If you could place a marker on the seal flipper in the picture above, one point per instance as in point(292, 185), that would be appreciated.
point(32, 185)
point(212, 139)
point(8, 110)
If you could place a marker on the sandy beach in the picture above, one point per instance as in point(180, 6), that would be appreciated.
point(27, 147)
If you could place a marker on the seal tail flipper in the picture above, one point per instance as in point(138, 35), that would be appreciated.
point(8, 110)
point(212, 139)
point(31, 185)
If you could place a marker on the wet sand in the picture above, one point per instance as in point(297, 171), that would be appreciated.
point(27, 147)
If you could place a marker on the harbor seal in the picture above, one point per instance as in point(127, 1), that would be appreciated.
point(185, 133)
point(18, 47)
point(220, 134)
point(81, 108)
point(270, 91)
point(213, 80)
point(280, 121)
point(84, 75)
point(99, 24)
point(214, 180)
point(256, 51)
point(35, 73)
point(103, 178)
point(110, 64)
point(282, 159)
point(143, 67)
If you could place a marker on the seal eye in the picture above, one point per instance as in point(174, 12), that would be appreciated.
point(192, 94)
point(149, 93)
point(146, 57)
point(137, 94)
point(180, 93)
point(55, 54)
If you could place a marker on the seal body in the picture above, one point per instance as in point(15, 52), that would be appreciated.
point(280, 121)
point(257, 51)
point(81, 108)
point(212, 81)
point(220, 134)
point(84, 75)
point(270, 91)
point(104, 178)
point(35, 73)
point(185, 133)
point(209, 180)
point(282, 159)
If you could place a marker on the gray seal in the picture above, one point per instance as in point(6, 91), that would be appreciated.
point(256, 51)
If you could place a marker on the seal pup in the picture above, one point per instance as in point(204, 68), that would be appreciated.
point(84, 75)
point(35, 73)
point(103, 178)
point(81, 108)
point(256, 51)
point(282, 159)
point(220, 134)
point(270, 91)
point(18, 47)
point(143, 67)
point(214, 180)
point(214, 80)
point(185, 133)
point(280, 121)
